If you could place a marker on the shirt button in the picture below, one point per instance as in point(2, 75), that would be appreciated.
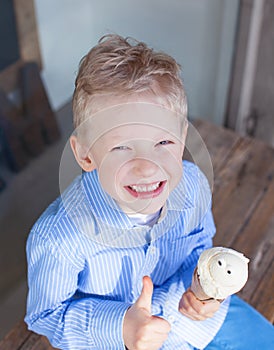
point(153, 250)
point(171, 319)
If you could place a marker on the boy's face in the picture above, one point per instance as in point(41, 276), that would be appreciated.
point(137, 149)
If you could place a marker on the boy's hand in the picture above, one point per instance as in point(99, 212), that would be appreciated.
point(141, 330)
point(196, 309)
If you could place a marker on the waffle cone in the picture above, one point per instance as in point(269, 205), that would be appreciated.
point(196, 287)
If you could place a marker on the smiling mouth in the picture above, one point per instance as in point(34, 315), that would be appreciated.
point(146, 190)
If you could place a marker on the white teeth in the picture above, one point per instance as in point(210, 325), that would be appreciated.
point(145, 188)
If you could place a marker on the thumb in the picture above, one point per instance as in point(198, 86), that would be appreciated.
point(144, 300)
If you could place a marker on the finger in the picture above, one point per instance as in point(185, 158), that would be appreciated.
point(189, 306)
point(205, 308)
point(158, 334)
point(189, 302)
point(197, 310)
point(154, 334)
point(160, 325)
point(145, 299)
point(209, 308)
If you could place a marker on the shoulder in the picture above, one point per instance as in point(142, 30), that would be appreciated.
point(194, 179)
point(193, 191)
point(58, 211)
point(56, 229)
point(191, 169)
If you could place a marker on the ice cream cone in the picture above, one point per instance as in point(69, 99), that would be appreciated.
point(196, 287)
point(220, 272)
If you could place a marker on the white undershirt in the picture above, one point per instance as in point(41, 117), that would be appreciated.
point(145, 219)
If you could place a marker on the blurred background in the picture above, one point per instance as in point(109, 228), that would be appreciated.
point(225, 48)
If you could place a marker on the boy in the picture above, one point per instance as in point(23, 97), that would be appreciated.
point(110, 261)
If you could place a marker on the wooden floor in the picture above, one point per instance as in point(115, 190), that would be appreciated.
point(243, 207)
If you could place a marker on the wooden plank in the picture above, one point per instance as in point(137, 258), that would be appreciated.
point(219, 141)
point(31, 341)
point(20, 338)
point(10, 123)
point(42, 344)
point(256, 236)
point(16, 337)
point(36, 103)
point(22, 137)
point(240, 187)
point(256, 240)
point(36, 342)
point(9, 77)
point(208, 146)
point(27, 30)
point(262, 298)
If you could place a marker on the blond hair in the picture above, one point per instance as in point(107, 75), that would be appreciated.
point(119, 67)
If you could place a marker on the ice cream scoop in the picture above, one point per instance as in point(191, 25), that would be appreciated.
point(220, 272)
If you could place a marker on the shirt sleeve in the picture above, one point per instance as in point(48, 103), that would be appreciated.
point(53, 310)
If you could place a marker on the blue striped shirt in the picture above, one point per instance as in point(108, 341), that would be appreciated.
point(86, 260)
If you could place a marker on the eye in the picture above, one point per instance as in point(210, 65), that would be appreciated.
point(120, 148)
point(165, 142)
point(220, 263)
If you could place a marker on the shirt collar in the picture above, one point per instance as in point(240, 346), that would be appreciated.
point(105, 207)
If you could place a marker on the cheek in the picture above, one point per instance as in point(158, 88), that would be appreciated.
point(174, 167)
point(111, 171)
point(110, 161)
point(172, 159)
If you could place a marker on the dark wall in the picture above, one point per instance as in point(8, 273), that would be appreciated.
point(9, 49)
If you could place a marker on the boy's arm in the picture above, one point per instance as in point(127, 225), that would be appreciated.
point(52, 310)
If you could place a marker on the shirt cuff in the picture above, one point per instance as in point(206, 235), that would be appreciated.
point(107, 324)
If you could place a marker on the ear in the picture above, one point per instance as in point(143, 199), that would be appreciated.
point(81, 154)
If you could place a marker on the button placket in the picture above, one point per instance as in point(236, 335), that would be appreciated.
point(150, 260)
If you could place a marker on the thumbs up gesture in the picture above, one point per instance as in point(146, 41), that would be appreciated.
point(141, 330)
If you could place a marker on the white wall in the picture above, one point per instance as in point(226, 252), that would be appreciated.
point(198, 33)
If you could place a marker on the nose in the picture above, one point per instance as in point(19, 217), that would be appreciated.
point(144, 167)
